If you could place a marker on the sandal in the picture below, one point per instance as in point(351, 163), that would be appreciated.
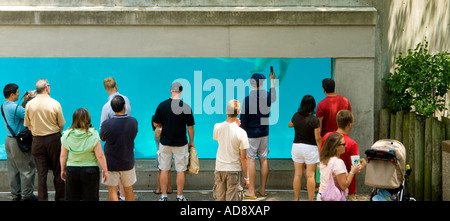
point(249, 197)
point(159, 192)
point(263, 195)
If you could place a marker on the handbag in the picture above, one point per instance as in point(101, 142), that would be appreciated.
point(193, 165)
point(24, 138)
point(332, 192)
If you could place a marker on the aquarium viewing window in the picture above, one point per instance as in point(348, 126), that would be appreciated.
point(208, 84)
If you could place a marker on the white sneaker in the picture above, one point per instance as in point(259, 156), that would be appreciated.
point(181, 198)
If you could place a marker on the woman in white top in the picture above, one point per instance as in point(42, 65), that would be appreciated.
point(333, 147)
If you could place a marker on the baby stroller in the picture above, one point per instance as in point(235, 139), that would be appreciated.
point(386, 171)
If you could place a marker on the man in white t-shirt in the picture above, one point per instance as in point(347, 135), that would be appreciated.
point(231, 159)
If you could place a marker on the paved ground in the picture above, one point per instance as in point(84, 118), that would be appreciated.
point(278, 203)
point(198, 195)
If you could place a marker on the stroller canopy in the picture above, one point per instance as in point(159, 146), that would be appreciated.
point(388, 170)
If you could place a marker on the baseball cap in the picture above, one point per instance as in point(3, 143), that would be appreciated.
point(176, 86)
point(256, 77)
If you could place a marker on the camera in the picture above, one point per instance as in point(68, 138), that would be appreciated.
point(31, 94)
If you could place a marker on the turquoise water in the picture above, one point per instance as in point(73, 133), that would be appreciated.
point(78, 82)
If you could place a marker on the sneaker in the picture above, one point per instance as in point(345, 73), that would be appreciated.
point(163, 198)
point(181, 198)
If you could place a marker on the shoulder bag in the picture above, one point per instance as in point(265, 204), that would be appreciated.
point(193, 166)
point(332, 192)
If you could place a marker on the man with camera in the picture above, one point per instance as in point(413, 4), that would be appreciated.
point(21, 167)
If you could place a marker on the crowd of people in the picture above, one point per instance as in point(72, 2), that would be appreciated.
point(79, 163)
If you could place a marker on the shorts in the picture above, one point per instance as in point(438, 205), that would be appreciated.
point(228, 186)
point(127, 178)
point(305, 153)
point(181, 155)
point(259, 147)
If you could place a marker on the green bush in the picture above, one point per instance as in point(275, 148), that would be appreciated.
point(420, 80)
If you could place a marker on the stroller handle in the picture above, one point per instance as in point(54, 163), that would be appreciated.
point(373, 154)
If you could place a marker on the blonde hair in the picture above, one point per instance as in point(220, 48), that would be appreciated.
point(109, 83)
point(233, 108)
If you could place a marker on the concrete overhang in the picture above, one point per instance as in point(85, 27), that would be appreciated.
point(203, 16)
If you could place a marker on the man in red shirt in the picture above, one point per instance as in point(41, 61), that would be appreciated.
point(344, 119)
point(329, 106)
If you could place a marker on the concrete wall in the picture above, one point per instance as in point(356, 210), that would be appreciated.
point(186, 41)
point(280, 177)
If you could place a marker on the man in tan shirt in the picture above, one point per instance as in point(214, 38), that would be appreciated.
point(44, 117)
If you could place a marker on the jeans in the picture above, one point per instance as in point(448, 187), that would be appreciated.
point(82, 183)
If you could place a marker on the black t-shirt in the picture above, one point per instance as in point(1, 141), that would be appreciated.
point(304, 128)
point(174, 115)
point(118, 133)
